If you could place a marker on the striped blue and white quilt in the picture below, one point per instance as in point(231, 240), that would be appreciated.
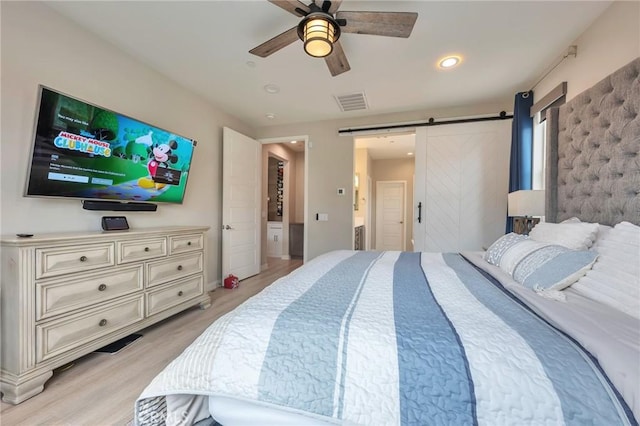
point(388, 338)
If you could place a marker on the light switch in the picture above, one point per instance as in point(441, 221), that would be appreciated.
point(323, 217)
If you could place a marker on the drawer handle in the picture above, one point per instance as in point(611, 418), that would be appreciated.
point(188, 243)
point(180, 293)
point(179, 267)
point(102, 322)
point(102, 287)
point(83, 258)
point(146, 249)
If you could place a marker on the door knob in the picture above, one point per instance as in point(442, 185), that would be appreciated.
point(227, 227)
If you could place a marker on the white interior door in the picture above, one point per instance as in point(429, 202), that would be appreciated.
point(390, 215)
point(241, 185)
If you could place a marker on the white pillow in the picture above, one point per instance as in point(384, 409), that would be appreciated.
point(572, 220)
point(576, 236)
point(615, 277)
point(602, 230)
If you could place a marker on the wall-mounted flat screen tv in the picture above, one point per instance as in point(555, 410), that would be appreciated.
point(83, 151)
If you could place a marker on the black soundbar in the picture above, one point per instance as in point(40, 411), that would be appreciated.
point(118, 206)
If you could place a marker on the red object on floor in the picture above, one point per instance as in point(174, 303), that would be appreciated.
point(231, 281)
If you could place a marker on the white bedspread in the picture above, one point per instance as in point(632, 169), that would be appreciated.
point(393, 338)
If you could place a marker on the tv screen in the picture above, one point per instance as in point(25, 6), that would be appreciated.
point(87, 152)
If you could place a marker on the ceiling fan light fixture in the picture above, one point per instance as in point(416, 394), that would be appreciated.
point(318, 31)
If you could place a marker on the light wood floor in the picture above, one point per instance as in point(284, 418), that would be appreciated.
point(100, 389)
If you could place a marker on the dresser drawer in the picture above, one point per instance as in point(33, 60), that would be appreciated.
point(167, 297)
point(173, 268)
point(185, 243)
point(131, 251)
point(59, 336)
point(57, 296)
point(79, 258)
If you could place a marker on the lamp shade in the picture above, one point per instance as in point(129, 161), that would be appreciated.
point(526, 203)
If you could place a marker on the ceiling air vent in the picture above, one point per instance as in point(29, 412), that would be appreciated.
point(352, 102)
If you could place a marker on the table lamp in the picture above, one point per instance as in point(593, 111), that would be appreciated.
point(522, 206)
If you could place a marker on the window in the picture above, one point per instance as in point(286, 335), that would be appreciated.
point(539, 153)
point(555, 98)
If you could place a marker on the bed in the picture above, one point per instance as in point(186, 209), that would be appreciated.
point(539, 330)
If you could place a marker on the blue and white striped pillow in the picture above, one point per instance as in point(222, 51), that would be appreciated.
point(537, 265)
point(495, 252)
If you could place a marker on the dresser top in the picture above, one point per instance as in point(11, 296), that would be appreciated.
point(95, 236)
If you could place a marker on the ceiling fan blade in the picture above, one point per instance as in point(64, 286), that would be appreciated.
point(337, 61)
point(276, 43)
point(335, 4)
point(291, 6)
point(391, 24)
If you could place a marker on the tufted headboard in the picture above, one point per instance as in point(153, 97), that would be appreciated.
point(593, 152)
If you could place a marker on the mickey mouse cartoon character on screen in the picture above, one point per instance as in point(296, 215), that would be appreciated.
point(158, 166)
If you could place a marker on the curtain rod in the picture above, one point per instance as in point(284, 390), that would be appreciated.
point(431, 122)
point(571, 51)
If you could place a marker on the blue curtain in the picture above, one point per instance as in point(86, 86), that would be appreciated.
point(520, 169)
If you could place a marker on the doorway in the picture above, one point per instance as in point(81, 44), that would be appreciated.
point(283, 199)
point(276, 219)
point(383, 158)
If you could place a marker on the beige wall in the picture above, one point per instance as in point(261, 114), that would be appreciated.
point(41, 47)
point(395, 170)
point(362, 169)
point(611, 42)
point(361, 216)
point(299, 194)
point(369, 205)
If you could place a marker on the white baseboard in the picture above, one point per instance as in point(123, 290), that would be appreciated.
point(213, 285)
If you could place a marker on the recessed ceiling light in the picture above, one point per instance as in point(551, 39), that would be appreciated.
point(409, 153)
point(270, 115)
point(294, 141)
point(272, 89)
point(449, 61)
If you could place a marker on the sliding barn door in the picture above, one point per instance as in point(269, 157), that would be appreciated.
point(463, 183)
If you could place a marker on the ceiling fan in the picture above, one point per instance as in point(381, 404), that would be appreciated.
point(322, 24)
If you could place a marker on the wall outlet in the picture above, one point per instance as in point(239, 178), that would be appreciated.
point(340, 191)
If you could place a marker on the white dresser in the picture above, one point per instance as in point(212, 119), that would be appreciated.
point(65, 295)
